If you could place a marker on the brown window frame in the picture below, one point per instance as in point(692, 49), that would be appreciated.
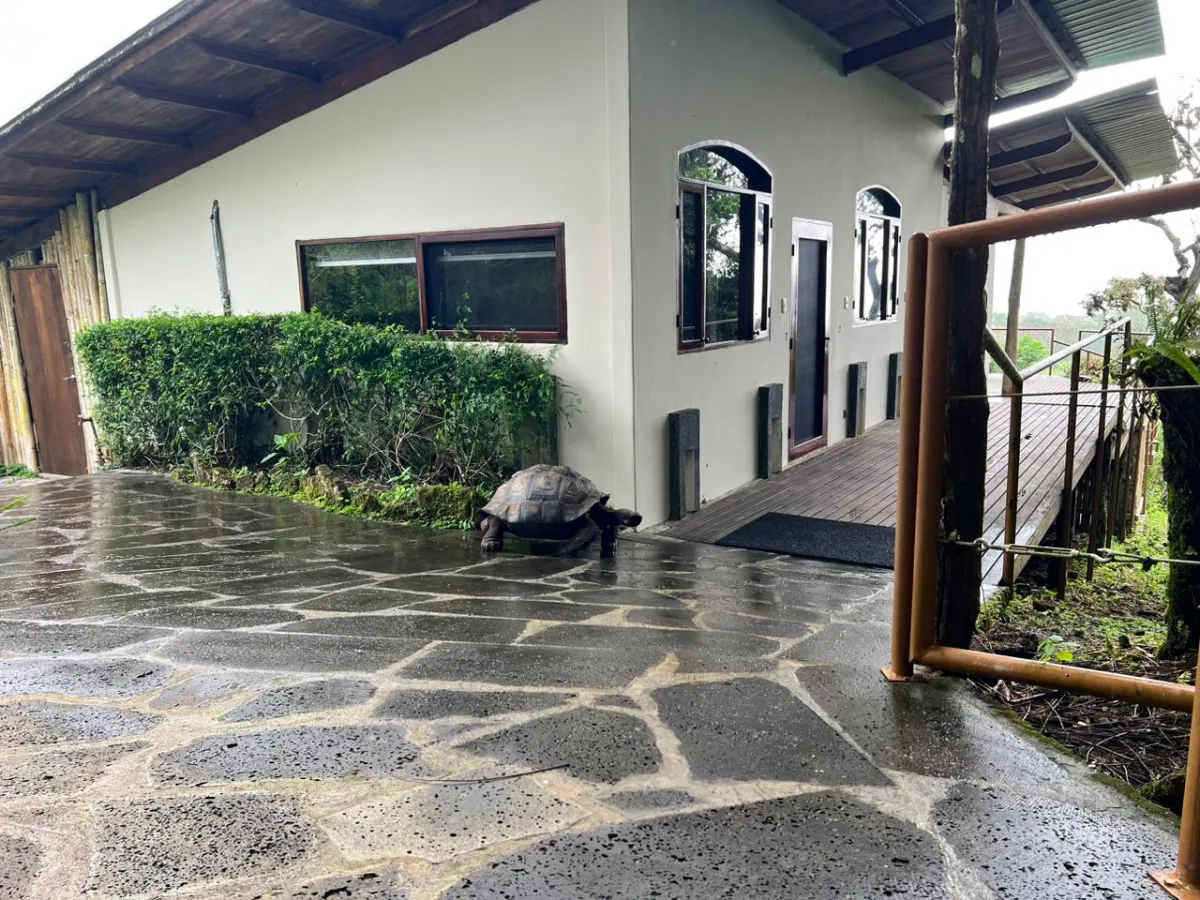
point(556, 230)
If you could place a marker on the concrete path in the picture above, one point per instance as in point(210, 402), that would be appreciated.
point(211, 696)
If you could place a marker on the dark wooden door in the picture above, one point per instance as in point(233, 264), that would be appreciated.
point(810, 336)
point(46, 351)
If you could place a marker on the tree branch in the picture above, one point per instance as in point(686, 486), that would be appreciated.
point(1185, 265)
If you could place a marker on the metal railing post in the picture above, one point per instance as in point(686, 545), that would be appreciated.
point(1184, 882)
point(1012, 501)
point(1066, 521)
point(1099, 464)
point(900, 668)
point(1116, 478)
point(927, 517)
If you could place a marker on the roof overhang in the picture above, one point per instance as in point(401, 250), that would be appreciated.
point(1044, 43)
point(202, 79)
point(1088, 148)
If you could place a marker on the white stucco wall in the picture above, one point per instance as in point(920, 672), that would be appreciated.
point(525, 122)
point(754, 74)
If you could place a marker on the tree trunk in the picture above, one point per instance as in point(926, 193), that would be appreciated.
point(976, 52)
point(1012, 330)
point(1180, 414)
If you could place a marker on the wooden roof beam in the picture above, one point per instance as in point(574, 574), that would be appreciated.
point(1043, 179)
point(33, 193)
point(1029, 151)
point(256, 60)
point(1086, 138)
point(183, 98)
point(920, 36)
point(95, 166)
point(437, 16)
point(335, 12)
point(129, 133)
point(24, 212)
point(1063, 196)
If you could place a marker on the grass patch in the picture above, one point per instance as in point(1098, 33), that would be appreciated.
point(16, 470)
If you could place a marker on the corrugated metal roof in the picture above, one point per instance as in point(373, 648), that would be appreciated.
point(1089, 34)
point(1108, 32)
point(1124, 135)
point(1132, 125)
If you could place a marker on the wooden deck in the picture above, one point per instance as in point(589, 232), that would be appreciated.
point(855, 480)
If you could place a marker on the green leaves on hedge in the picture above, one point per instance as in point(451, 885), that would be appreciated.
point(217, 389)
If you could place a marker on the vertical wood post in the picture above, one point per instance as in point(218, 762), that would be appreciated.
point(976, 54)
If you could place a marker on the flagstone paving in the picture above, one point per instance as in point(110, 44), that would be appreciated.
point(208, 696)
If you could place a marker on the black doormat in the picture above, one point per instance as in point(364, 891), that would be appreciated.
point(847, 542)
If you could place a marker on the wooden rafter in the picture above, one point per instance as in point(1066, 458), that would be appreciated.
point(1044, 178)
point(22, 212)
point(1063, 196)
point(257, 60)
point(335, 12)
point(128, 133)
point(1029, 151)
point(33, 193)
point(437, 16)
point(910, 39)
point(148, 91)
point(72, 164)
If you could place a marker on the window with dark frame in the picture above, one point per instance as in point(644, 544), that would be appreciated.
point(724, 218)
point(493, 283)
point(876, 255)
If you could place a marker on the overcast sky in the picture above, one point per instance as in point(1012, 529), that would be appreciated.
point(1060, 270)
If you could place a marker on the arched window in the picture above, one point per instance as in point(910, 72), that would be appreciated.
point(876, 255)
point(724, 217)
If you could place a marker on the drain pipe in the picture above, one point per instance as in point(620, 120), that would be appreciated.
point(219, 251)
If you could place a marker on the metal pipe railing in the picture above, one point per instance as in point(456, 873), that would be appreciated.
point(1099, 464)
point(1071, 349)
point(900, 668)
point(926, 494)
point(1017, 379)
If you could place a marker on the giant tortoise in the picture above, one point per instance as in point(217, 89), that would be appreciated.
point(553, 507)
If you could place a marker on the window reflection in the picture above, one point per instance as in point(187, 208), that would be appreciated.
point(723, 266)
point(368, 282)
point(724, 232)
point(692, 287)
point(705, 165)
point(876, 255)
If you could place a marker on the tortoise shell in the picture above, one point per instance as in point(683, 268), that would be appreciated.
point(544, 495)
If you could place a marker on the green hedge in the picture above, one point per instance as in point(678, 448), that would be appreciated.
point(173, 390)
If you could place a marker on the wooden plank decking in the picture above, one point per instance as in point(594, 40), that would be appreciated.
point(855, 480)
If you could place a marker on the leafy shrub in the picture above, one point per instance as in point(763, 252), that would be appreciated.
point(217, 389)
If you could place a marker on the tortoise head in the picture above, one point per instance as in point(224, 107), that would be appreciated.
point(627, 518)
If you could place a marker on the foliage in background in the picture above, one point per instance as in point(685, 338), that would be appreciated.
point(375, 400)
point(16, 470)
point(1029, 351)
point(1168, 363)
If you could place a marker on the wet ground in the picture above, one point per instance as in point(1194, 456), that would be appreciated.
point(211, 696)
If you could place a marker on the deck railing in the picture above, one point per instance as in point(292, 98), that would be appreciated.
point(1098, 530)
point(919, 488)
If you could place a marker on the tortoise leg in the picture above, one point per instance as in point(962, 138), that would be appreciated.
point(608, 541)
point(493, 535)
point(582, 540)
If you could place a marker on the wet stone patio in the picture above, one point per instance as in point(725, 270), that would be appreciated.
point(211, 696)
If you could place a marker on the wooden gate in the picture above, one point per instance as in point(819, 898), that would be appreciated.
point(49, 370)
